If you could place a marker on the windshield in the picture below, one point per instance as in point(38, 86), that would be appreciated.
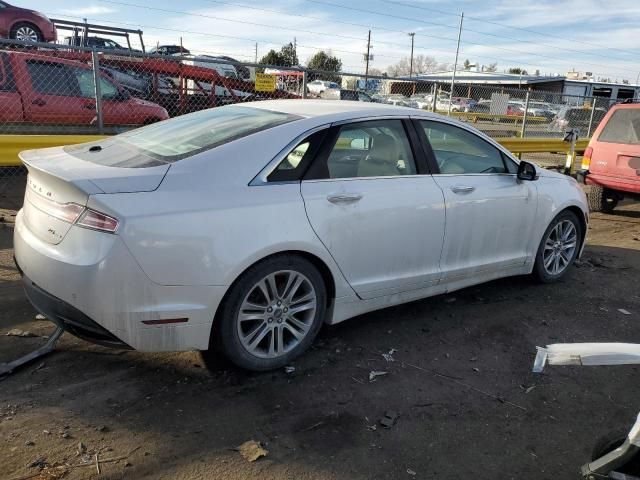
point(182, 136)
point(622, 127)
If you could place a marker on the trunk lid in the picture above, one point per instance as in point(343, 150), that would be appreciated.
point(58, 181)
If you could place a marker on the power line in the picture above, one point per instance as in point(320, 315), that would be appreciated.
point(244, 22)
point(323, 2)
point(504, 25)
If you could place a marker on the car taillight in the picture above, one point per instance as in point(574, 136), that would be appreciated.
point(97, 221)
point(586, 158)
point(67, 212)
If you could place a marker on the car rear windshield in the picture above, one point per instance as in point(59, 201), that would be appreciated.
point(622, 127)
point(180, 137)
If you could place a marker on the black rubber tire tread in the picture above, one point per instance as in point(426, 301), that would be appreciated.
point(538, 268)
point(224, 333)
point(595, 198)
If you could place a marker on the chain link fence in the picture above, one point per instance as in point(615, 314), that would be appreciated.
point(55, 89)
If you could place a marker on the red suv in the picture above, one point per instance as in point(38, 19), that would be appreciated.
point(43, 90)
point(25, 25)
point(611, 162)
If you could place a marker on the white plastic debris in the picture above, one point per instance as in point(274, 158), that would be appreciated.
point(389, 355)
point(289, 369)
point(40, 317)
point(587, 354)
point(373, 374)
point(624, 312)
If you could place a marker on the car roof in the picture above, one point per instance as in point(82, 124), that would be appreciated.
point(337, 109)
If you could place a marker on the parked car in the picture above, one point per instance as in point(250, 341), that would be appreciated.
point(169, 50)
point(611, 162)
point(318, 86)
point(35, 88)
point(25, 25)
point(335, 210)
point(99, 43)
point(345, 94)
point(398, 100)
point(576, 117)
point(421, 101)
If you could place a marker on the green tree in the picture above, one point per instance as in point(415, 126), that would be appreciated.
point(326, 62)
point(467, 64)
point(517, 71)
point(286, 57)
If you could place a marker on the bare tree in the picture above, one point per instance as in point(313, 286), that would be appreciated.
point(421, 64)
point(492, 67)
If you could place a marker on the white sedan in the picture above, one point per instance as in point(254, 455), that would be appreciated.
point(250, 226)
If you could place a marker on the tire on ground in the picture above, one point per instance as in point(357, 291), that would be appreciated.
point(224, 331)
point(539, 271)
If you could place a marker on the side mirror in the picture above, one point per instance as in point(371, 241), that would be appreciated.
point(527, 171)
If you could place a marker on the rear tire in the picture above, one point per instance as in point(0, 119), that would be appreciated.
point(272, 313)
point(26, 32)
point(602, 199)
point(558, 248)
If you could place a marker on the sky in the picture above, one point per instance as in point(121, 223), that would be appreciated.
point(552, 36)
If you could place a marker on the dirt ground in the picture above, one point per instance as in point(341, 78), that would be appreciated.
point(461, 383)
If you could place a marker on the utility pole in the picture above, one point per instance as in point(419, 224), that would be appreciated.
point(455, 65)
point(256, 57)
point(412, 35)
point(295, 53)
point(366, 71)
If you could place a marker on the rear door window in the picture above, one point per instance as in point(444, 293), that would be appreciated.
point(50, 78)
point(623, 127)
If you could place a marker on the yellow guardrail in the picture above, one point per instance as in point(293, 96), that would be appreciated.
point(540, 145)
point(11, 145)
point(473, 117)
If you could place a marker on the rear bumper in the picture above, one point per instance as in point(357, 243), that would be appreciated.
point(68, 317)
point(91, 285)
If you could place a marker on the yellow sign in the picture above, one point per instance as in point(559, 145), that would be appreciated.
point(265, 82)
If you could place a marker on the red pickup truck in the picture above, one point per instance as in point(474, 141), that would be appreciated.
point(44, 90)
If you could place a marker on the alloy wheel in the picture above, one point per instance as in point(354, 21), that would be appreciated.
point(559, 247)
point(277, 314)
point(26, 34)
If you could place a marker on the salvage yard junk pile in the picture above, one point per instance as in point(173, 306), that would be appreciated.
point(52, 90)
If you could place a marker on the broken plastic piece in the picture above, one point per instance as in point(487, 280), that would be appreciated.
point(6, 368)
point(587, 354)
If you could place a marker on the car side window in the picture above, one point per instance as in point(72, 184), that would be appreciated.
point(458, 151)
point(295, 163)
point(87, 89)
point(52, 78)
point(378, 148)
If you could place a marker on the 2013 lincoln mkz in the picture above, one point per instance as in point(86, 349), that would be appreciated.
point(249, 226)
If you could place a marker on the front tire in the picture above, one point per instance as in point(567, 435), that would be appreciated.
point(272, 314)
point(25, 32)
point(558, 248)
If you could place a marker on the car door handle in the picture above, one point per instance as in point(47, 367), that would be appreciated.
point(344, 197)
point(39, 102)
point(462, 189)
point(90, 106)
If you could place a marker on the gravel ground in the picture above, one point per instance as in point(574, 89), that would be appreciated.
point(468, 405)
